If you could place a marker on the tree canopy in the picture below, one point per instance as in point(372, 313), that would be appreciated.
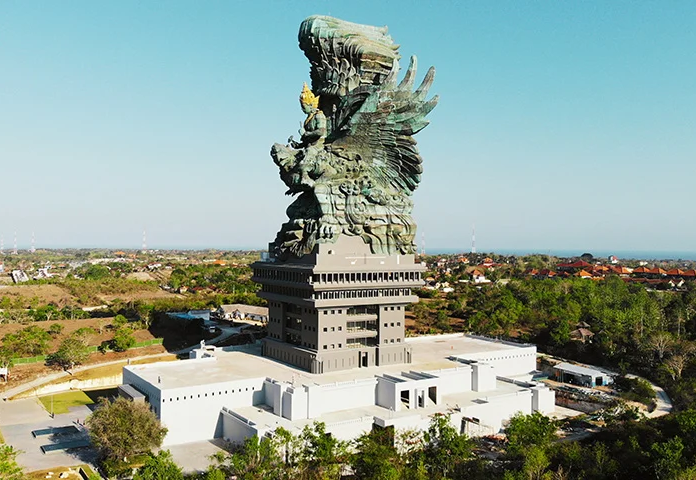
point(123, 428)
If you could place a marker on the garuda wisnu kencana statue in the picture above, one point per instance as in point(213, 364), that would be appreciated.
point(356, 164)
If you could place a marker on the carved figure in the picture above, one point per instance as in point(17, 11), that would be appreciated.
point(356, 166)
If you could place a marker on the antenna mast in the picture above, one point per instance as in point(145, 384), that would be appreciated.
point(473, 238)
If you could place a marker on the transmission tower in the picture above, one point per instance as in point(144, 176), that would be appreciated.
point(33, 243)
point(2, 245)
point(422, 244)
point(473, 238)
point(144, 250)
point(14, 248)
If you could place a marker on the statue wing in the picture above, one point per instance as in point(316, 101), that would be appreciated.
point(376, 125)
point(345, 55)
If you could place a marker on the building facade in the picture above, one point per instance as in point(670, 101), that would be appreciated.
point(238, 394)
point(339, 307)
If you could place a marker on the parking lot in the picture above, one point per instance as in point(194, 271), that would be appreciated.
point(20, 417)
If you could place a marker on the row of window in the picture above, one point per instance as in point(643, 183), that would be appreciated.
point(398, 340)
point(342, 277)
point(366, 277)
point(378, 292)
point(212, 394)
point(283, 275)
point(338, 294)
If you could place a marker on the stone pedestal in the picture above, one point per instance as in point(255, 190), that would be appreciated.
point(339, 307)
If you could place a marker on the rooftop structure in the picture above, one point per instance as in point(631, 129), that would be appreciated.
point(240, 393)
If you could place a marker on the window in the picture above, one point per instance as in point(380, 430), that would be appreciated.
point(340, 312)
point(398, 340)
point(324, 347)
point(392, 324)
point(398, 324)
point(386, 341)
point(385, 324)
point(333, 312)
point(333, 345)
point(339, 345)
point(340, 328)
point(392, 340)
point(326, 329)
point(333, 329)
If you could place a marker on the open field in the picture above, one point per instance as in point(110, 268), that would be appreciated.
point(61, 296)
point(69, 326)
point(44, 293)
point(62, 402)
point(26, 373)
point(115, 369)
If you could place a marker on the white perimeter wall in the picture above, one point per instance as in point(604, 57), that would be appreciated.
point(507, 361)
point(193, 414)
point(495, 410)
point(335, 397)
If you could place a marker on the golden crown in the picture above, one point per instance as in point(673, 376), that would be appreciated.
point(308, 98)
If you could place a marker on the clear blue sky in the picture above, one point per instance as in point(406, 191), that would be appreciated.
point(561, 125)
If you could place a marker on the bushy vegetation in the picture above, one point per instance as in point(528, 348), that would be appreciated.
point(218, 278)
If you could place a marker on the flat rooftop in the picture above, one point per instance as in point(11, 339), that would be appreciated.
point(429, 353)
point(263, 417)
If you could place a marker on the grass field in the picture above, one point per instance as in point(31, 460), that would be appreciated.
point(41, 474)
point(62, 402)
point(115, 369)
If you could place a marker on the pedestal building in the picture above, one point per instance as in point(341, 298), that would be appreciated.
point(339, 307)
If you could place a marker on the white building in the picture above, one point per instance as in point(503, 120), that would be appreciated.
point(237, 394)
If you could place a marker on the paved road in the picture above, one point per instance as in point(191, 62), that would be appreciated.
point(664, 404)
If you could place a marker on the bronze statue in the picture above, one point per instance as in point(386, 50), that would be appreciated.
point(356, 164)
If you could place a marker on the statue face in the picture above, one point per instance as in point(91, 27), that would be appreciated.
point(298, 168)
point(306, 108)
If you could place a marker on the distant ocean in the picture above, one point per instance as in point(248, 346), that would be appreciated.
point(621, 254)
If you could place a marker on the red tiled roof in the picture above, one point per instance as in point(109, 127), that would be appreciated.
point(583, 274)
point(641, 270)
point(690, 273)
point(658, 271)
point(675, 271)
point(578, 264)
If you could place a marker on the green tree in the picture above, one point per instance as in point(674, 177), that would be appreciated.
point(55, 329)
point(119, 321)
point(375, 456)
point(27, 342)
point(257, 459)
point(123, 428)
point(667, 457)
point(72, 351)
point(159, 467)
point(321, 453)
point(444, 447)
point(524, 431)
point(123, 340)
point(9, 470)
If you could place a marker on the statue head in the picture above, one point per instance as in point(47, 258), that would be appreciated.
point(308, 101)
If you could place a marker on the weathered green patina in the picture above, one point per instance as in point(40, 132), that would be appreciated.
point(356, 165)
